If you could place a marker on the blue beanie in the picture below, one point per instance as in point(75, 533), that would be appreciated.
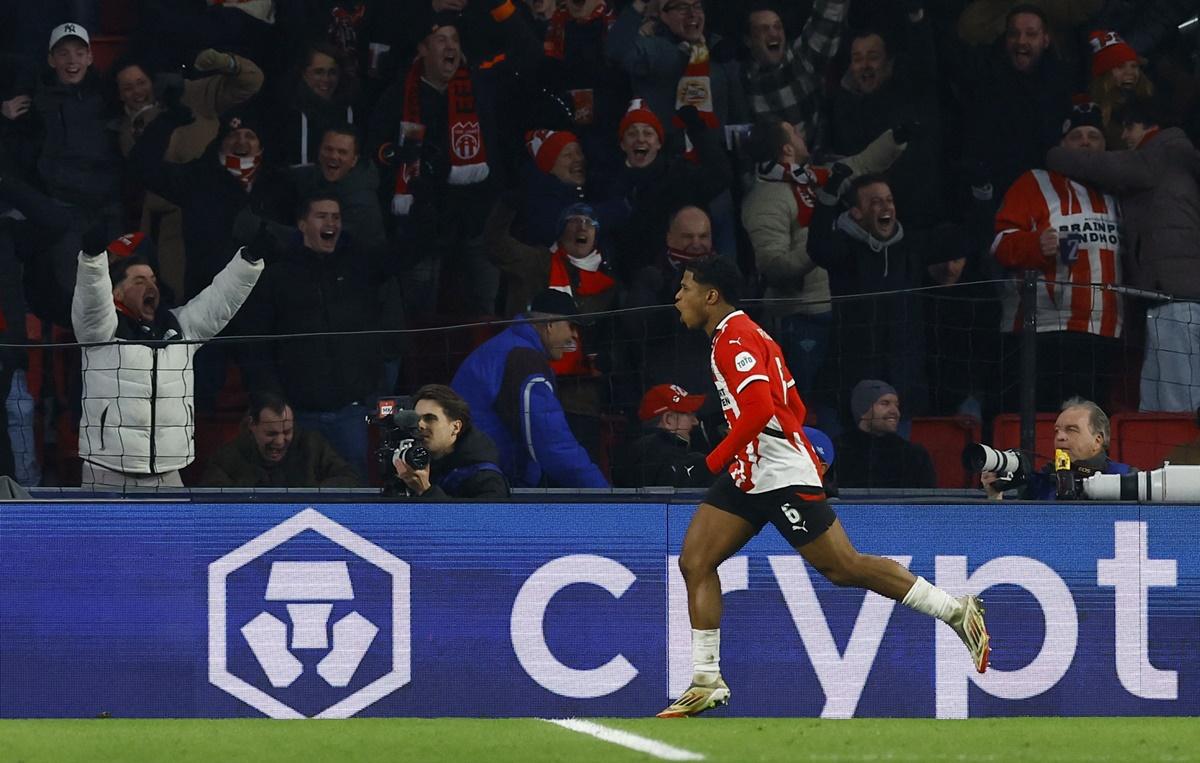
point(578, 209)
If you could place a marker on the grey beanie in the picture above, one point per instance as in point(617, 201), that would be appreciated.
point(865, 393)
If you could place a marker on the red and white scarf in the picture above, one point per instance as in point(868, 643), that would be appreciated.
point(468, 157)
point(805, 180)
point(695, 89)
point(555, 44)
point(678, 258)
point(244, 168)
point(579, 277)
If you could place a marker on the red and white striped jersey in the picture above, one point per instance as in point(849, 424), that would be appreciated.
point(780, 455)
point(1087, 220)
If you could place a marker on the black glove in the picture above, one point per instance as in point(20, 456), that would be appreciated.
point(906, 131)
point(435, 166)
point(262, 245)
point(690, 116)
point(831, 192)
point(174, 109)
point(95, 240)
point(392, 155)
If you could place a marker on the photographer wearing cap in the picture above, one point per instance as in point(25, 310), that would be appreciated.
point(462, 459)
point(1082, 430)
point(510, 387)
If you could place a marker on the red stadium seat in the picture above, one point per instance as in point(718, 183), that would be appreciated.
point(1144, 439)
point(945, 437)
point(1006, 435)
point(212, 431)
point(613, 429)
point(106, 49)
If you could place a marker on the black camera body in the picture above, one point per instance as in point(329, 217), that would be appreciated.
point(399, 436)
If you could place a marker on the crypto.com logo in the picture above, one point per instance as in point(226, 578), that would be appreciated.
point(266, 635)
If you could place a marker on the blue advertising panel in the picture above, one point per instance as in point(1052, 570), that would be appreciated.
point(338, 610)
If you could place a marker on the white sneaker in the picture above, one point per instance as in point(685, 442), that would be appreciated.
point(971, 629)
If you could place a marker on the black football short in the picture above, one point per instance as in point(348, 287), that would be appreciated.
point(800, 513)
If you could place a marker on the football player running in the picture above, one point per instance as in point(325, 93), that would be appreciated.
point(771, 475)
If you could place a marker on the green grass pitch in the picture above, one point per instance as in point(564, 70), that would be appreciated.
point(525, 740)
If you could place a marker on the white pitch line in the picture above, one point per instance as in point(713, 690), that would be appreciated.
point(626, 739)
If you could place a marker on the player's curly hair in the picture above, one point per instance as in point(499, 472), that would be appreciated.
point(718, 273)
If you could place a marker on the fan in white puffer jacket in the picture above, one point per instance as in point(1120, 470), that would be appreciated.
point(138, 409)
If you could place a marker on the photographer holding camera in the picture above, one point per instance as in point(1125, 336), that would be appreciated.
point(1082, 431)
point(459, 460)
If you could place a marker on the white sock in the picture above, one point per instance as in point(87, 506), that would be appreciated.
point(706, 656)
point(928, 599)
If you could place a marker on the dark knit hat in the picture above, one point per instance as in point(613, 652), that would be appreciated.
point(243, 116)
point(552, 302)
point(1084, 113)
point(865, 393)
point(578, 209)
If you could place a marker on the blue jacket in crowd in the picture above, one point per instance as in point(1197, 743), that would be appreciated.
point(510, 387)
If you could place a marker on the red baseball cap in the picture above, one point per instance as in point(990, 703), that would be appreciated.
point(668, 397)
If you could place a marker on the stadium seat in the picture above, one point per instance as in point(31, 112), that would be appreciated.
point(433, 355)
point(1006, 435)
point(212, 431)
point(106, 49)
point(612, 437)
point(1144, 439)
point(945, 437)
point(232, 398)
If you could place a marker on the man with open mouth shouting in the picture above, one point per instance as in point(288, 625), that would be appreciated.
point(326, 288)
point(784, 80)
point(138, 413)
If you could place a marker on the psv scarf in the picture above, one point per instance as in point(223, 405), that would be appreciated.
point(344, 24)
point(555, 44)
point(804, 180)
point(579, 277)
point(695, 89)
point(244, 168)
point(468, 158)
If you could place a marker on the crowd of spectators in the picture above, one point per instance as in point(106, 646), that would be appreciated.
point(883, 173)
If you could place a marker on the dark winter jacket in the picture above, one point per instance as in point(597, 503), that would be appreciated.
point(1157, 186)
point(302, 125)
point(1043, 485)
point(910, 96)
point(358, 195)
point(545, 196)
point(307, 292)
point(310, 461)
point(510, 387)
point(440, 210)
point(78, 160)
point(470, 472)
point(882, 461)
point(669, 183)
point(660, 458)
point(656, 63)
point(210, 197)
point(1013, 118)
